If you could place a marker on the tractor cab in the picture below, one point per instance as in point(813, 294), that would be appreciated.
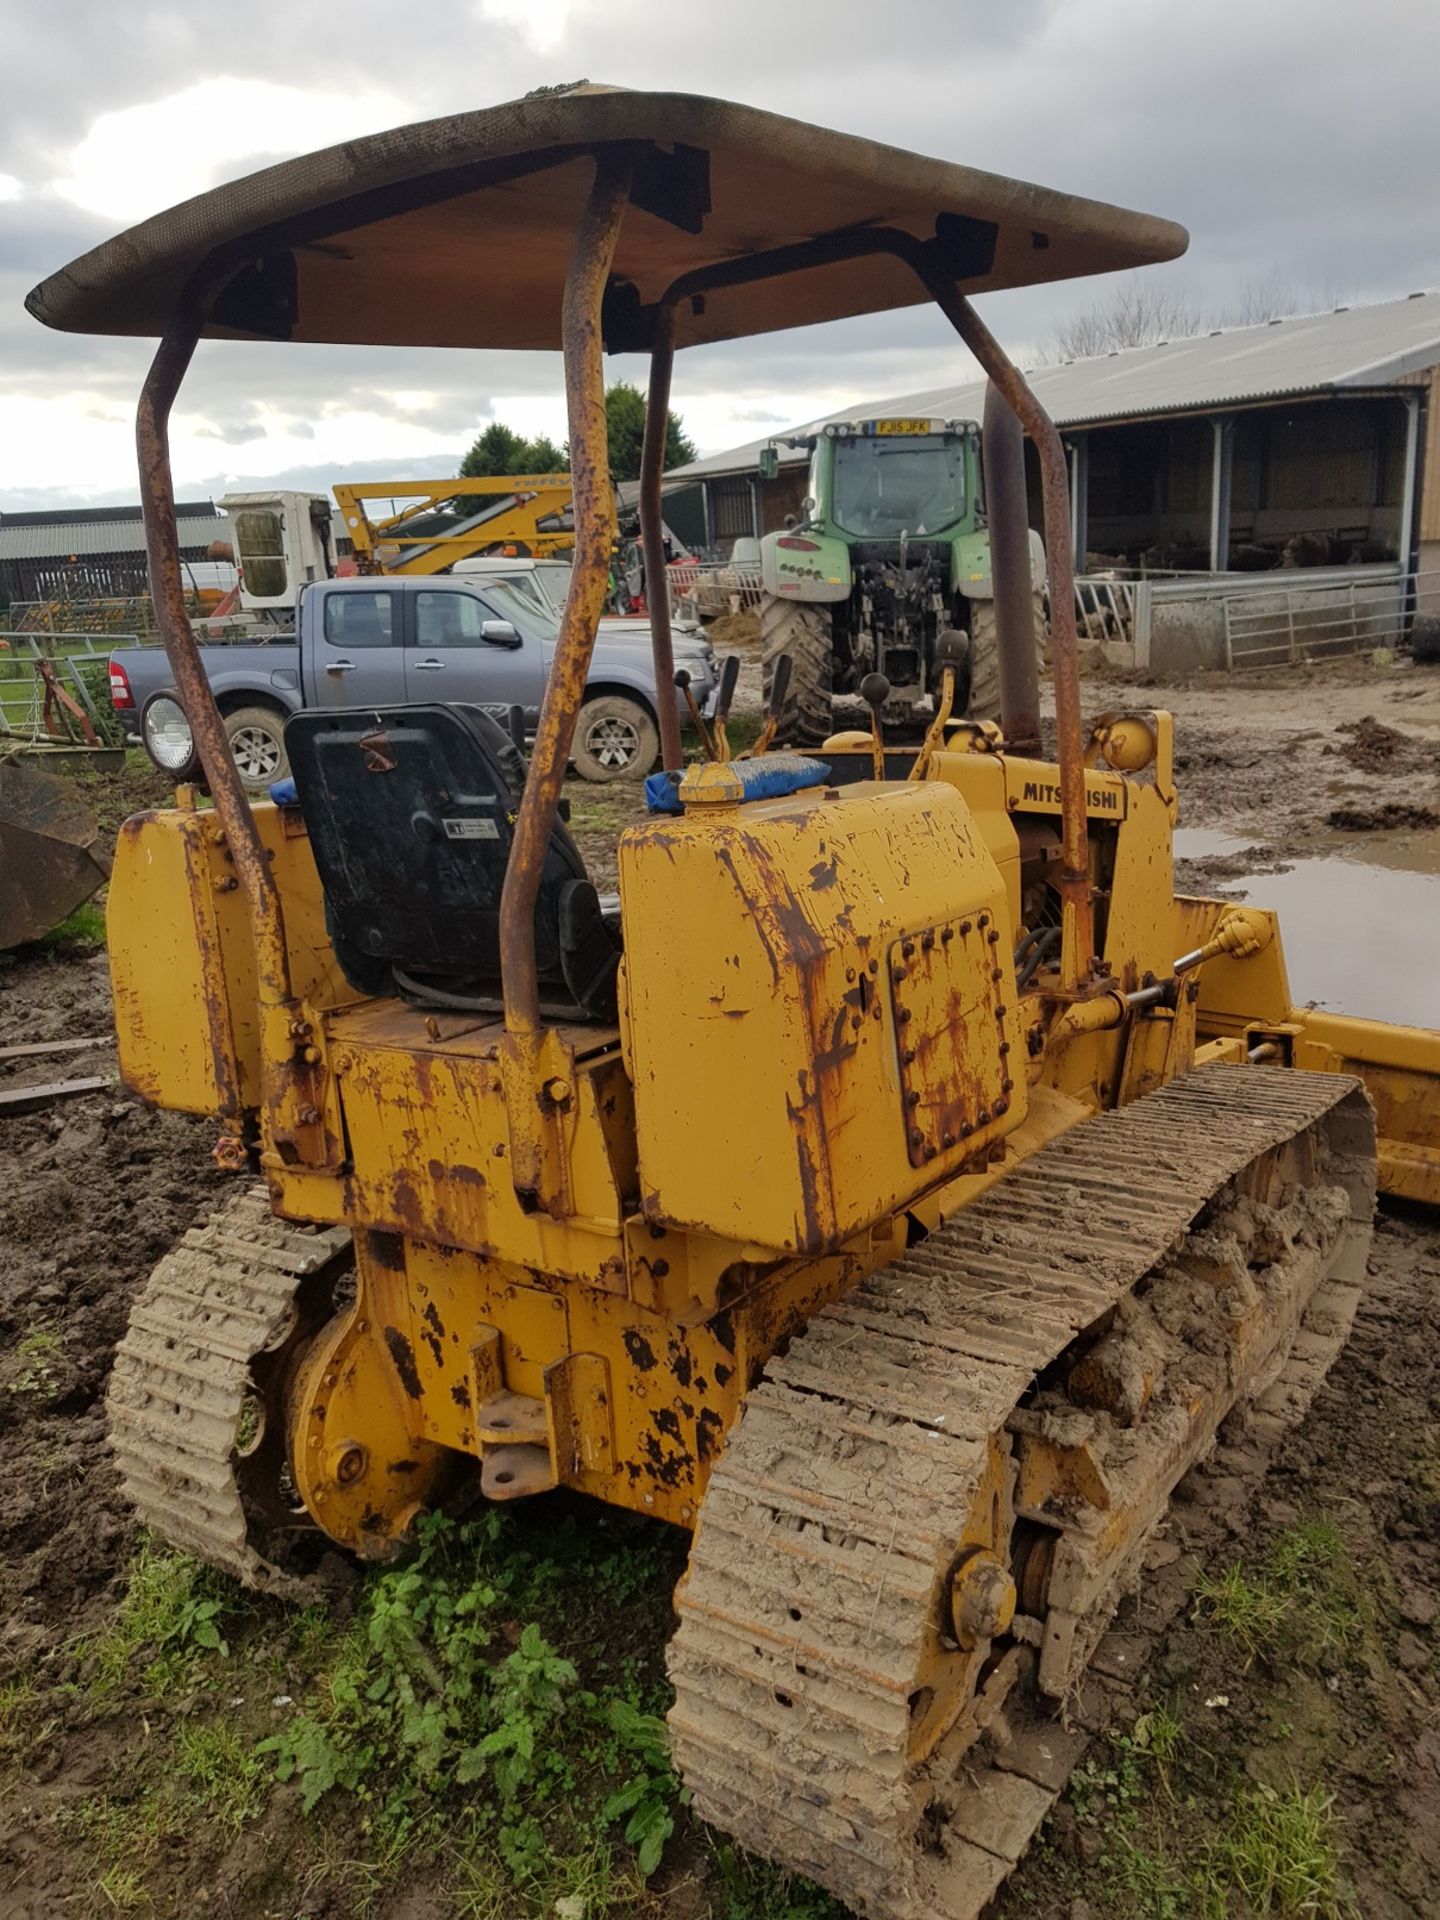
point(892, 546)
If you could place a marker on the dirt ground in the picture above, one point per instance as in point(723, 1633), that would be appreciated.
point(1310, 1719)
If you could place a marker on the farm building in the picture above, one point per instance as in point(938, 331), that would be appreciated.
point(92, 553)
point(1311, 441)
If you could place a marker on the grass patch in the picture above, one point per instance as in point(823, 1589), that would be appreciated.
point(172, 1610)
point(1306, 1595)
point(753, 1889)
point(218, 1765)
point(1203, 1850)
point(1310, 1565)
point(85, 927)
point(122, 1889)
point(1244, 1609)
point(1281, 1852)
point(36, 1352)
point(21, 1722)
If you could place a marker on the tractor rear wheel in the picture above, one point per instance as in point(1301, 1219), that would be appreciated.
point(984, 703)
point(803, 632)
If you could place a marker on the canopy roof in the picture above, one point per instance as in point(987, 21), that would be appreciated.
point(457, 232)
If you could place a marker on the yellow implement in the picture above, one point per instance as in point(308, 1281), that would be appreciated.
point(450, 520)
point(898, 1192)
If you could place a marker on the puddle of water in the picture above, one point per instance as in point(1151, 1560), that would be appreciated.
point(1360, 922)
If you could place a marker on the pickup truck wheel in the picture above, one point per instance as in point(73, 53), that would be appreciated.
point(615, 739)
point(257, 740)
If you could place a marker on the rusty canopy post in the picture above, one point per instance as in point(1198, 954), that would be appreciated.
point(589, 269)
point(1077, 905)
point(1003, 454)
point(162, 547)
point(652, 531)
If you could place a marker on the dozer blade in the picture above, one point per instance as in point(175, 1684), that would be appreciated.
point(918, 1532)
point(49, 860)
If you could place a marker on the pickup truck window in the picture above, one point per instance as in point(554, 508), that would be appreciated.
point(449, 620)
point(359, 619)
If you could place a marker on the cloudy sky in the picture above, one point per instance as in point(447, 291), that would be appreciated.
point(1297, 139)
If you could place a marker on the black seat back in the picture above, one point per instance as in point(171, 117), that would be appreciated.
point(410, 812)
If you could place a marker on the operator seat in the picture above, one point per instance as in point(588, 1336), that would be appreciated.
point(410, 812)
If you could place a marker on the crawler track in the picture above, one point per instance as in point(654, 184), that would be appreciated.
point(208, 1336)
point(815, 1615)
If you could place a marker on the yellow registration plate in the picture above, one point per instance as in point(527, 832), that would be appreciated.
point(902, 426)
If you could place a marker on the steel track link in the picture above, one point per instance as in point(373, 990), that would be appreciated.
point(222, 1298)
point(829, 1524)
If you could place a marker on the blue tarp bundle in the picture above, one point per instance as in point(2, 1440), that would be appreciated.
point(770, 777)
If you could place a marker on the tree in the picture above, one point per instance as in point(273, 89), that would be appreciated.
point(625, 433)
point(543, 456)
point(1141, 314)
point(498, 450)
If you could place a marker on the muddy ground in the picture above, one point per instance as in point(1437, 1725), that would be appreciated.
point(1302, 1727)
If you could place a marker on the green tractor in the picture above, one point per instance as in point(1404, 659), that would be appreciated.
point(893, 555)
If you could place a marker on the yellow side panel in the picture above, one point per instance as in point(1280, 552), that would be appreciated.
point(182, 964)
point(429, 1140)
point(980, 777)
point(770, 1004)
point(173, 1019)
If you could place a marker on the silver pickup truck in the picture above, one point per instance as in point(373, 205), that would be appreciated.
point(476, 637)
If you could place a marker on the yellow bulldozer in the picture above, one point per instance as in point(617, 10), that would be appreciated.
point(897, 1190)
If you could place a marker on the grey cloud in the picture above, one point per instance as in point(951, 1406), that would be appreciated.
point(1280, 135)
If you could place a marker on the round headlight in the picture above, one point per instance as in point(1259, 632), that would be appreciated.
point(167, 735)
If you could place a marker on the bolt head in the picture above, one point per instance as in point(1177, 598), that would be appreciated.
point(350, 1465)
point(982, 1599)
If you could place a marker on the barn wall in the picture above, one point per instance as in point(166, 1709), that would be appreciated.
point(1332, 470)
point(1428, 526)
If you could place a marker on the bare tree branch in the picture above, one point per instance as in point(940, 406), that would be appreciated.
point(1146, 313)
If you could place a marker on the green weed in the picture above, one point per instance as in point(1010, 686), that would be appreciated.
point(646, 1803)
point(171, 1610)
point(36, 1352)
point(1158, 1733)
point(1150, 1884)
point(219, 1766)
point(85, 927)
point(433, 1691)
point(754, 1889)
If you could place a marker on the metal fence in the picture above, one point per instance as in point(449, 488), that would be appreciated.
point(702, 590)
point(77, 662)
point(1250, 620)
point(1320, 620)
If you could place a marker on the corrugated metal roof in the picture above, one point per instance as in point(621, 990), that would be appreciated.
point(1353, 347)
point(34, 536)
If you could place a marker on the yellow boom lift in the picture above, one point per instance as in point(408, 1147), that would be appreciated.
point(449, 520)
point(897, 1194)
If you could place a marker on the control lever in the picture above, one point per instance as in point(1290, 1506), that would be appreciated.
point(875, 691)
point(515, 724)
point(729, 674)
point(779, 687)
point(950, 651)
point(682, 681)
